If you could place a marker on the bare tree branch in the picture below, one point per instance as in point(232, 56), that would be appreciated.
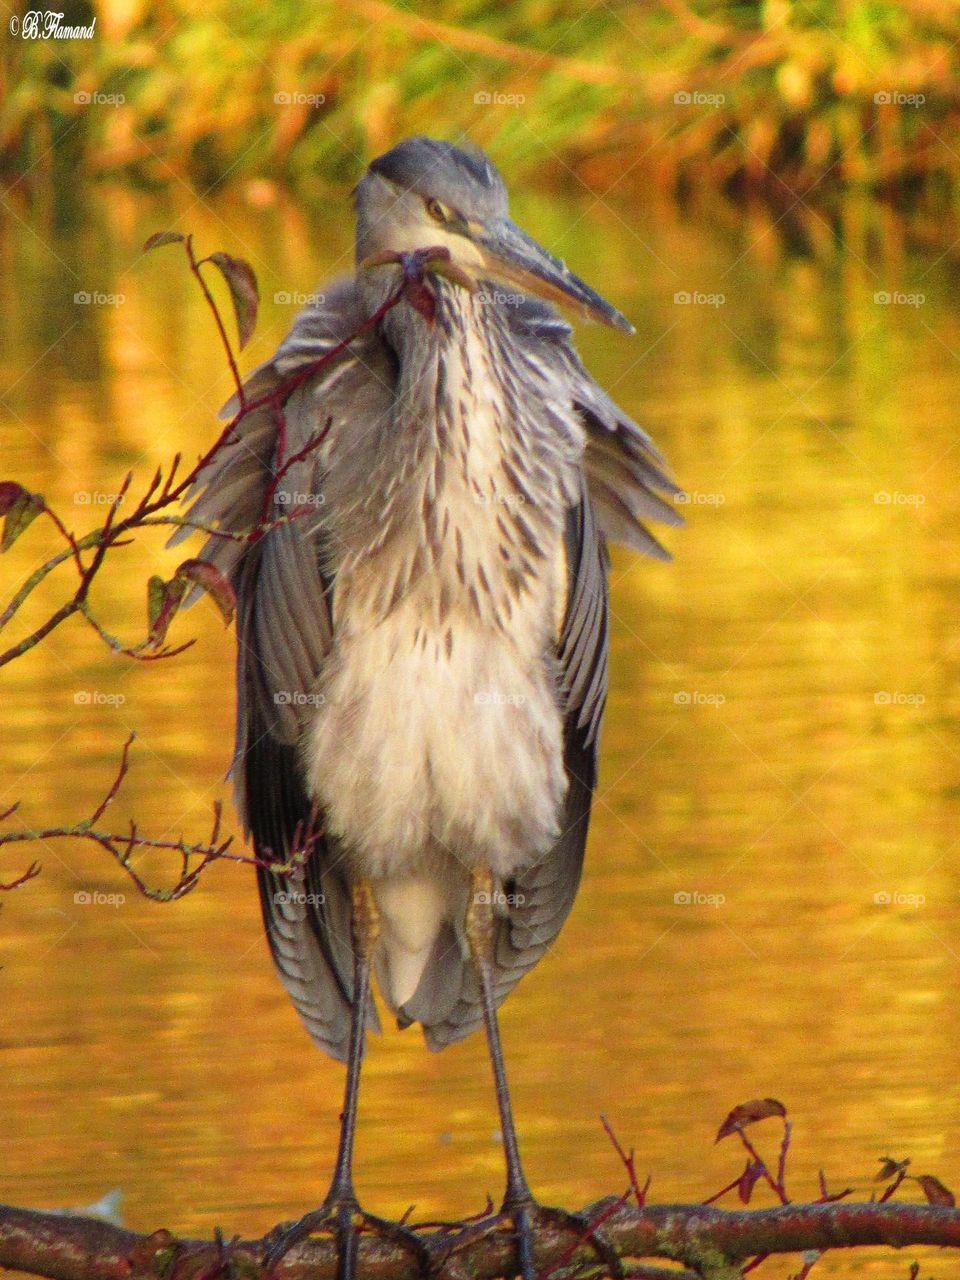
point(708, 1242)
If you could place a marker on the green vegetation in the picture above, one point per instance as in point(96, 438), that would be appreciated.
point(783, 96)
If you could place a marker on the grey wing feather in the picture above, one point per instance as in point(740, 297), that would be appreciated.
point(283, 637)
point(228, 494)
point(626, 474)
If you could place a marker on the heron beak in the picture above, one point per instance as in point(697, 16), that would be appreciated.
point(511, 255)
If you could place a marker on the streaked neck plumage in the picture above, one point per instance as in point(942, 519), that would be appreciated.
point(475, 466)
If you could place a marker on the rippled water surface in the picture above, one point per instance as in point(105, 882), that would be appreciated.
point(770, 904)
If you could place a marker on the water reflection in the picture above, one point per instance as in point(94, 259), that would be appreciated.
point(770, 904)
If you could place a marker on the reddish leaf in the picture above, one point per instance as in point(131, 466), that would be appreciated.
point(162, 237)
point(10, 491)
point(20, 512)
point(749, 1113)
point(890, 1168)
point(145, 1253)
point(421, 299)
point(209, 578)
point(243, 291)
point(748, 1180)
point(936, 1192)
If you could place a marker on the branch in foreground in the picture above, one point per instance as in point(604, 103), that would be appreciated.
point(709, 1242)
point(122, 845)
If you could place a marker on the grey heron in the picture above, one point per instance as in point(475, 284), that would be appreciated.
point(422, 658)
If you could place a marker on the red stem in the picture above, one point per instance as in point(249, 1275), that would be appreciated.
point(195, 268)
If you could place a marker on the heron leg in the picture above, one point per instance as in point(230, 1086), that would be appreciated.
point(340, 1211)
point(480, 926)
point(519, 1207)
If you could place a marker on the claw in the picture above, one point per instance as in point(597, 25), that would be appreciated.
point(587, 1231)
point(329, 1217)
point(343, 1217)
point(524, 1218)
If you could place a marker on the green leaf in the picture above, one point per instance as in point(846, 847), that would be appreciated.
point(242, 284)
point(21, 508)
point(156, 590)
point(162, 237)
point(163, 601)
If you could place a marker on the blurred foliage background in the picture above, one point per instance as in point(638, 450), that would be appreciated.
point(781, 96)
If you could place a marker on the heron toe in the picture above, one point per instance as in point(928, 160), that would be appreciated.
point(334, 1215)
point(342, 1216)
point(525, 1218)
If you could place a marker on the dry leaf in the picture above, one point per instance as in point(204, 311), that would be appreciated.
point(749, 1113)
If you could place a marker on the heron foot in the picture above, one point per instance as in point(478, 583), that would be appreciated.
point(525, 1218)
point(341, 1215)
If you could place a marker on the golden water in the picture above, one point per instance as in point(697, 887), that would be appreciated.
point(751, 755)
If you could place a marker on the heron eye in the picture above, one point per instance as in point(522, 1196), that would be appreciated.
point(439, 212)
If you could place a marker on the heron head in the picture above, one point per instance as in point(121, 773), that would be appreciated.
point(425, 192)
